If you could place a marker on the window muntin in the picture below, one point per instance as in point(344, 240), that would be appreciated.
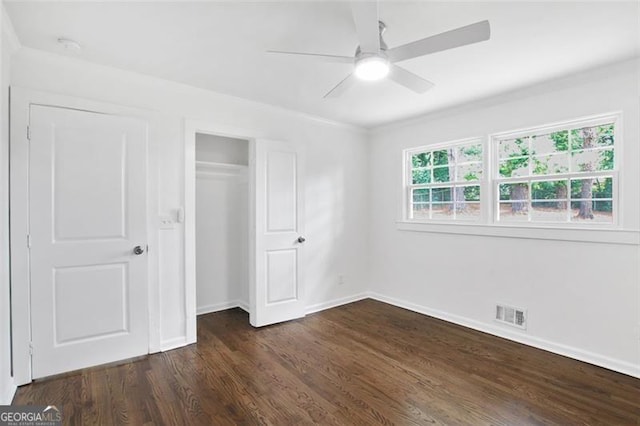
point(444, 182)
point(567, 175)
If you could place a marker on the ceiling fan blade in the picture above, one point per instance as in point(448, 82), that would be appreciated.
point(474, 33)
point(330, 58)
point(341, 87)
point(365, 17)
point(409, 80)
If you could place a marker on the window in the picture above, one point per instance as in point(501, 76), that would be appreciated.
point(565, 174)
point(444, 182)
point(557, 175)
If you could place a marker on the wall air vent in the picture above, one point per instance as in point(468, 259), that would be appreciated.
point(513, 316)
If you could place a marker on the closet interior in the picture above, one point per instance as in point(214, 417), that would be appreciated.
point(222, 265)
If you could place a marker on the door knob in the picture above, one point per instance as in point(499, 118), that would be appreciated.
point(301, 239)
point(137, 250)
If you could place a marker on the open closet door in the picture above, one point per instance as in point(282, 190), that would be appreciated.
point(278, 211)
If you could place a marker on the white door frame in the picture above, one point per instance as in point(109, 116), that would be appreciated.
point(21, 100)
point(204, 127)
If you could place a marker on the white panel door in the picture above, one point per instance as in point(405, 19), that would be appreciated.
point(87, 214)
point(278, 287)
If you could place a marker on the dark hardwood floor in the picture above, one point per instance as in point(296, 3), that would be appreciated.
point(359, 364)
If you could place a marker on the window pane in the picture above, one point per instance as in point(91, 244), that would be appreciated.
point(549, 190)
point(471, 211)
point(518, 196)
point(592, 160)
point(420, 211)
point(601, 187)
point(442, 211)
point(441, 158)
point(468, 193)
point(593, 200)
point(421, 160)
point(469, 153)
point(606, 160)
point(603, 210)
point(514, 191)
point(592, 211)
point(550, 143)
point(513, 147)
point(469, 172)
point(549, 211)
point(441, 174)
point(510, 212)
point(551, 164)
point(605, 135)
point(514, 167)
point(420, 203)
point(421, 176)
point(442, 194)
point(588, 137)
point(421, 195)
point(577, 140)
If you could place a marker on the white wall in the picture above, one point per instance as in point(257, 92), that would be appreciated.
point(221, 149)
point(222, 222)
point(336, 212)
point(583, 298)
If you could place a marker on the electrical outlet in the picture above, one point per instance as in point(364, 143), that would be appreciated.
point(340, 279)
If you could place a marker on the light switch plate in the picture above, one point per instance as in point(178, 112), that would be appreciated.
point(167, 222)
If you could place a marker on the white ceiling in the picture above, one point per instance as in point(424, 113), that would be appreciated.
point(221, 46)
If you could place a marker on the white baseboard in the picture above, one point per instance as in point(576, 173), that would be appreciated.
point(178, 342)
point(558, 348)
point(217, 307)
point(335, 302)
point(208, 309)
point(243, 305)
point(7, 397)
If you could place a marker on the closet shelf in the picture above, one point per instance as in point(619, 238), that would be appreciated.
point(212, 166)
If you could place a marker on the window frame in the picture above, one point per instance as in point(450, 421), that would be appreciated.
point(408, 186)
point(568, 125)
point(490, 181)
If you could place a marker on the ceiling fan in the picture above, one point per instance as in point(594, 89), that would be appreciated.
point(373, 60)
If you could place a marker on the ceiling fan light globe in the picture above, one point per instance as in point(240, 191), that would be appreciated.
point(372, 68)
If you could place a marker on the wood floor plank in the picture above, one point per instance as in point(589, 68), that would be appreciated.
point(360, 364)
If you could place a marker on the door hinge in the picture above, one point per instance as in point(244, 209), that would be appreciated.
point(30, 348)
point(28, 133)
point(28, 240)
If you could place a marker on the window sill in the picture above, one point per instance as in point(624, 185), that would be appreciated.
point(608, 236)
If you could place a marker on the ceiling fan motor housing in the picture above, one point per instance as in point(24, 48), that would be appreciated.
point(372, 66)
point(383, 46)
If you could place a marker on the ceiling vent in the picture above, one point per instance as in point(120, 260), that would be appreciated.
point(513, 316)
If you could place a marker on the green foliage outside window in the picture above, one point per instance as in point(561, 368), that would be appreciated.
point(596, 155)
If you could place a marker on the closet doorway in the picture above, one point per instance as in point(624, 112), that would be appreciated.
point(222, 219)
point(243, 224)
